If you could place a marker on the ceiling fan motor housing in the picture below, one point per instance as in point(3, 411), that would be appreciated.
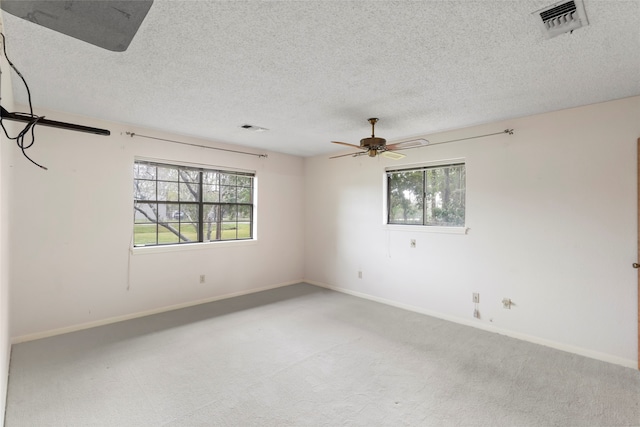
point(373, 142)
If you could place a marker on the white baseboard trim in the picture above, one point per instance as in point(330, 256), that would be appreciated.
point(604, 357)
point(116, 319)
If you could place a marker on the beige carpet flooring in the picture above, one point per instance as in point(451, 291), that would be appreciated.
point(306, 356)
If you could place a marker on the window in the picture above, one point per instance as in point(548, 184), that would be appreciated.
point(177, 204)
point(432, 196)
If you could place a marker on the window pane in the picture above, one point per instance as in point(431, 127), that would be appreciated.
point(169, 212)
point(244, 195)
point(244, 230)
point(211, 213)
point(210, 177)
point(406, 191)
point(190, 213)
point(228, 179)
point(210, 218)
point(167, 174)
point(244, 181)
point(187, 175)
point(144, 234)
point(144, 190)
point(143, 171)
point(228, 194)
point(189, 232)
point(210, 231)
point(211, 193)
point(168, 234)
point(144, 212)
point(189, 192)
point(168, 191)
point(178, 223)
point(229, 231)
point(445, 201)
point(244, 213)
point(229, 213)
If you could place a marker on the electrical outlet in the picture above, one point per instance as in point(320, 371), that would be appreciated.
point(413, 243)
point(359, 274)
point(476, 314)
point(202, 278)
point(476, 297)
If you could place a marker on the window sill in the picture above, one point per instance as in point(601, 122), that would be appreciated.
point(143, 250)
point(427, 229)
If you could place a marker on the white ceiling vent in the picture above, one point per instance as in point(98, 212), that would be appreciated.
point(562, 17)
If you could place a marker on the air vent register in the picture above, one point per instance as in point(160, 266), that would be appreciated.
point(560, 18)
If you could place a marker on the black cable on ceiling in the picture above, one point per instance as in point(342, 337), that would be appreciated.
point(30, 126)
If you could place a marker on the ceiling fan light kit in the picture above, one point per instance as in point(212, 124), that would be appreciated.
point(392, 155)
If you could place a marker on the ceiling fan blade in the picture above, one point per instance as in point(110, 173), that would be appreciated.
point(392, 155)
point(348, 145)
point(414, 143)
point(345, 155)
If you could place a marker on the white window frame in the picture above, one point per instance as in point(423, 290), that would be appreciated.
point(421, 228)
point(157, 248)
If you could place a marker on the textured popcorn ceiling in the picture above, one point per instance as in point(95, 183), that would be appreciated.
point(312, 71)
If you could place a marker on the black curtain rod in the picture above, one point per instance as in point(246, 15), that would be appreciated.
point(21, 117)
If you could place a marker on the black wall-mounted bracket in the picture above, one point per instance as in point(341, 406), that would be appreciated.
point(21, 117)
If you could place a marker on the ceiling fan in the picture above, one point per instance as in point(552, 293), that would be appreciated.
point(374, 146)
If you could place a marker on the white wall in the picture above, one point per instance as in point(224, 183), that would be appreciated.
point(552, 224)
point(5, 343)
point(73, 229)
point(6, 150)
point(551, 212)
